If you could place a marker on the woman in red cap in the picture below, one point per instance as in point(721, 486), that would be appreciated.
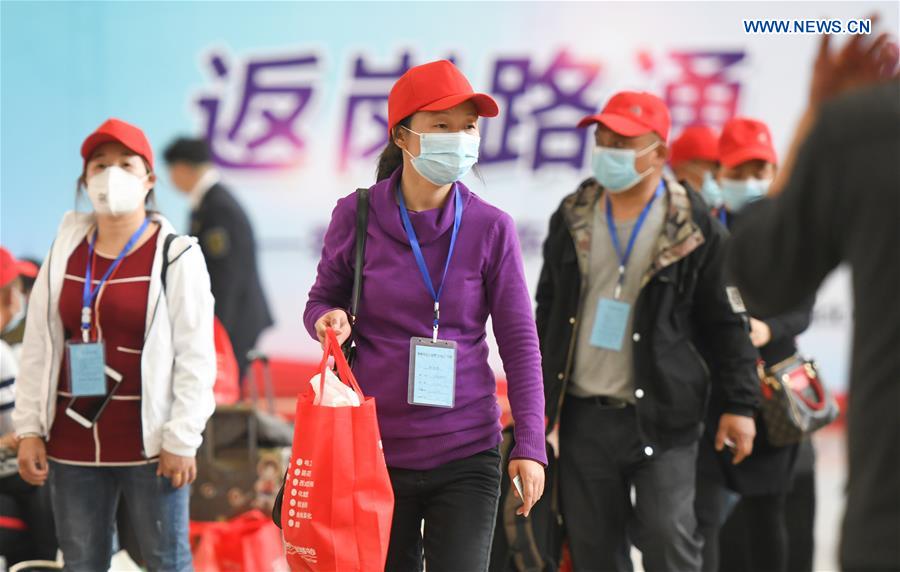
point(763, 481)
point(115, 382)
point(438, 262)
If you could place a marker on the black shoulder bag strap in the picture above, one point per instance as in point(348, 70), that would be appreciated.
point(167, 243)
point(362, 225)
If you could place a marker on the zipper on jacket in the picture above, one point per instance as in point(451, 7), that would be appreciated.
point(700, 359)
point(49, 335)
point(570, 358)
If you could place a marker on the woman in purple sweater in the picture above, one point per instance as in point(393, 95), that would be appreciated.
point(438, 261)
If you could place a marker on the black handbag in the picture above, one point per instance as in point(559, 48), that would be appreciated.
point(795, 402)
point(349, 347)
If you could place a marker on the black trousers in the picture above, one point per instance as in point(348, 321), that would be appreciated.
point(714, 502)
point(755, 536)
point(34, 508)
point(601, 458)
point(458, 504)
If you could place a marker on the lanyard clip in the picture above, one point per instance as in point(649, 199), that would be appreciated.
point(86, 323)
point(619, 282)
point(437, 318)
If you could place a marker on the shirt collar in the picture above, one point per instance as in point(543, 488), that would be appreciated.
point(208, 180)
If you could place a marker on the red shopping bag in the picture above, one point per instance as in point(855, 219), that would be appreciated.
point(247, 542)
point(338, 500)
point(227, 387)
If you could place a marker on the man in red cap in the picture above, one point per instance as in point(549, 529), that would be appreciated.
point(695, 160)
point(629, 301)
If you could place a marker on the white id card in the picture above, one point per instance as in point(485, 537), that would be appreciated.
point(432, 372)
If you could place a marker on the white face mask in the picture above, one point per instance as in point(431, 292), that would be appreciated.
point(115, 191)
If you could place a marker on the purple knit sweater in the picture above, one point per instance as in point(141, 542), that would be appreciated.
point(486, 278)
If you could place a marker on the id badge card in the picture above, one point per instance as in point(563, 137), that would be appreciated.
point(610, 324)
point(87, 368)
point(432, 372)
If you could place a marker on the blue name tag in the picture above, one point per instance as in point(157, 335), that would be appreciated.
point(609, 324)
point(432, 372)
point(87, 369)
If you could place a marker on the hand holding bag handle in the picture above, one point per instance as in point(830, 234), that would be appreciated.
point(345, 374)
point(332, 348)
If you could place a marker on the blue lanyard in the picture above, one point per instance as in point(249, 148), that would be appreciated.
point(90, 294)
point(611, 225)
point(723, 216)
point(420, 259)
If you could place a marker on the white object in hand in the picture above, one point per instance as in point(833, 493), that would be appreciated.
point(336, 393)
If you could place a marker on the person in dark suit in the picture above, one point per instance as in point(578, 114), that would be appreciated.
point(226, 238)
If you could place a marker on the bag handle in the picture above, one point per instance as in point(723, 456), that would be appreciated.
point(333, 348)
point(816, 385)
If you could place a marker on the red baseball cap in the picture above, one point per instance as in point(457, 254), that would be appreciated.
point(695, 142)
point(633, 113)
point(9, 267)
point(744, 139)
point(125, 133)
point(434, 86)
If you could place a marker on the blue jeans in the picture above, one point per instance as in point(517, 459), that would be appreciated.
point(85, 500)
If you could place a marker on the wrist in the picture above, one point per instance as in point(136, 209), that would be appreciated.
point(31, 435)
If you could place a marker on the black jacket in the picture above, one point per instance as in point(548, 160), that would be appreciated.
point(770, 469)
point(683, 304)
point(226, 238)
point(841, 203)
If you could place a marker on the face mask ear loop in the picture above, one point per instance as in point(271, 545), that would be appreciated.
point(414, 133)
point(643, 152)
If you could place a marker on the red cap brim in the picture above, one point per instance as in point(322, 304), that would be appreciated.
point(622, 125)
point(484, 103)
point(744, 154)
point(27, 269)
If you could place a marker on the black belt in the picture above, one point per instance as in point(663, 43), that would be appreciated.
point(602, 401)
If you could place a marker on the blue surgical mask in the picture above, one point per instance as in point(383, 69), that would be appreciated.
point(445, 158)
point(737, 194)
point(16, 319)
point(710, 190)
point(614, 168)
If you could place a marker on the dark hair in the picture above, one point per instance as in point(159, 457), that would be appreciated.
point(392, 155)
point(187, 150)
point(27, 281)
